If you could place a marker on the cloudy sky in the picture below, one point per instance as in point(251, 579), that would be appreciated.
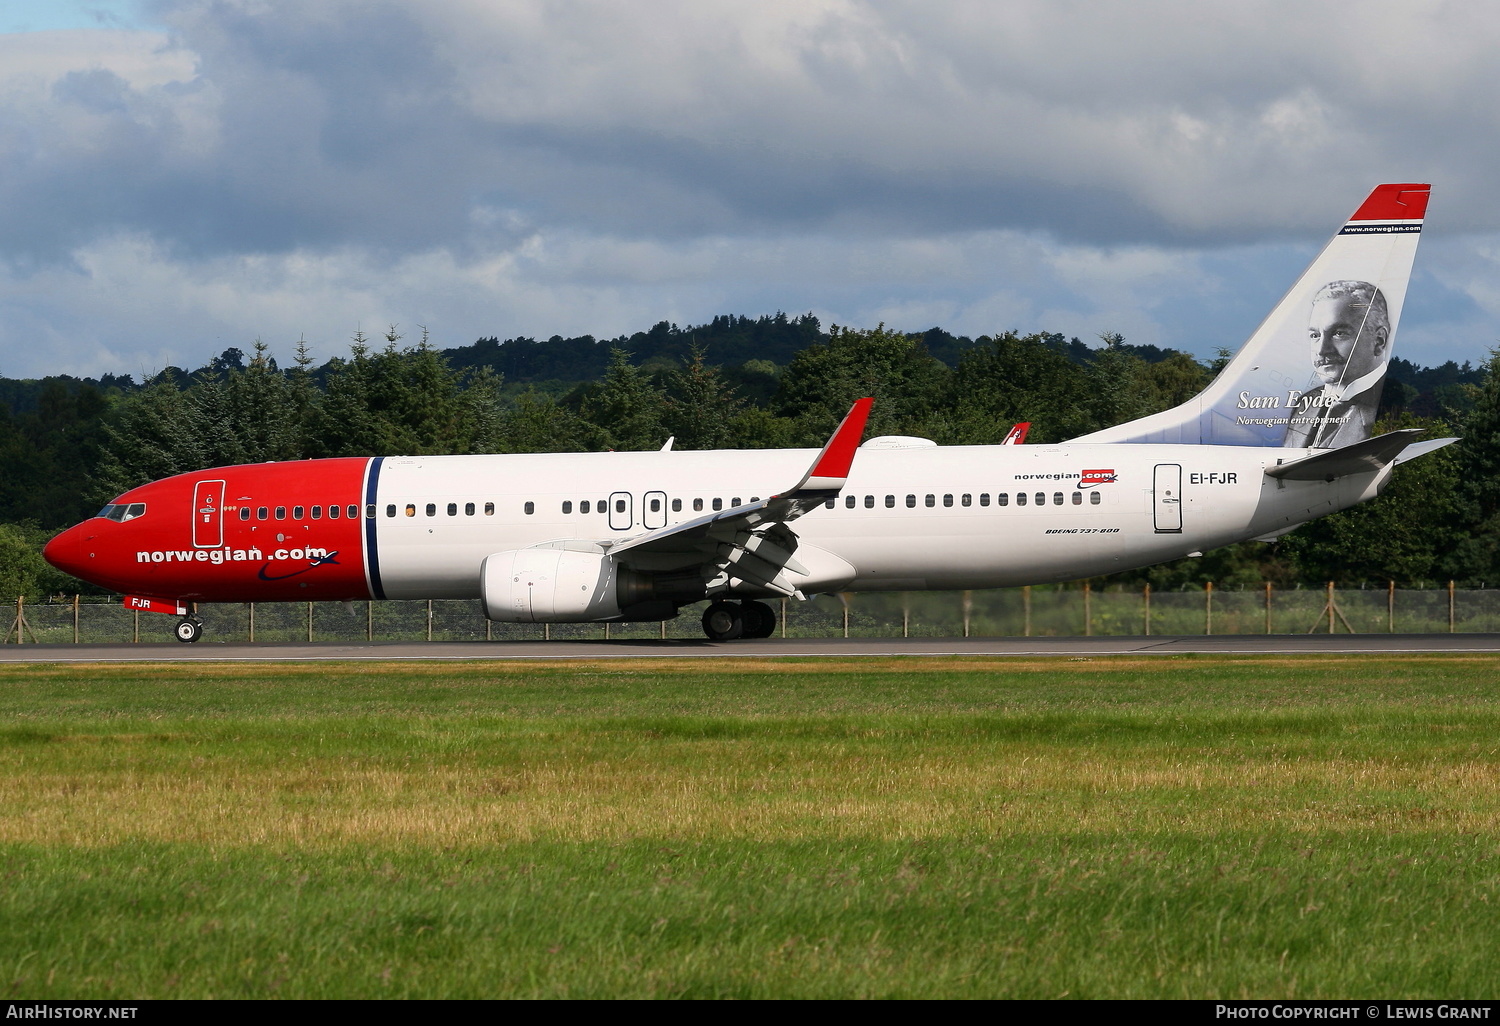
point(181, 176)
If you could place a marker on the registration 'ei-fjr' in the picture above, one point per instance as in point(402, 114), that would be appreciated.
point(1282, 436)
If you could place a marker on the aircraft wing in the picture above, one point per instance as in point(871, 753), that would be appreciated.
point(751, 542)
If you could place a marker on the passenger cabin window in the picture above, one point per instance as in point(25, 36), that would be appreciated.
point(718, 504)
point(619, 505)
point(984, 498)
point(411, 509)
point(390, 511)
point(1093, 498)
point(333, 512)
point(676, 505)
point(244, 512)
point(583, 507)
point(529, 508)
point(697, 505)
point(831, 503)
point(849, 501)
point(353, 512)
point(280, 512)
point(567, 506)
point(967, 500)
point(1041, 498)
point(1078, 498)
point(1020, 498)
point(1003, 499)
point(656, 505)
point(890, 501)
point(261, 512)
point(317, 512)
point(869, 502)
point(298, 512)
point(468, 509)
point(931, 499)
point(1057, 498)
point(911, 500)
point(735, 501)
point(489, 509)
point(948, 499)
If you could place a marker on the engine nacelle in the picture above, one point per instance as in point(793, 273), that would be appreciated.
point(547, 585)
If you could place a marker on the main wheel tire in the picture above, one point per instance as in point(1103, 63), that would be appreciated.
point(724, 621)
point(760, 619)
point(189, 631)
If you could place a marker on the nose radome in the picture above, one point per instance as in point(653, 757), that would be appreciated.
point(66, 551)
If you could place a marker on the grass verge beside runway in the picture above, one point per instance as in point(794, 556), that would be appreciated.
point(1197, 826)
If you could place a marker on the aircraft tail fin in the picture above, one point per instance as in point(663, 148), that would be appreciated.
point(1311, 374)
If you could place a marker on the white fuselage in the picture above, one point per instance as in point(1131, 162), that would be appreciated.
point(924, 517)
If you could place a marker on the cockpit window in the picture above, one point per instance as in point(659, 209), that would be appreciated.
point(120, 512)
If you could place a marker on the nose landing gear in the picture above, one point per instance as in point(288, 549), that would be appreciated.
point(189, 629)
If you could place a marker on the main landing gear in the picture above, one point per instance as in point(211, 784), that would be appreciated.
point(189, 629)
point(727, 621)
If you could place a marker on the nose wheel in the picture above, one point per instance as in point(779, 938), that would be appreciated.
point(189, 629)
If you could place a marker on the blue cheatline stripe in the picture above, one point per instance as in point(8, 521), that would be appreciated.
point(372, 551)
point(1370, 228)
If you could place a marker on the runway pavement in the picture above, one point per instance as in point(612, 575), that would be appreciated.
point(1274, 644)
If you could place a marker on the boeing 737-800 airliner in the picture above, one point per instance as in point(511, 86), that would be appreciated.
point(1283, 435)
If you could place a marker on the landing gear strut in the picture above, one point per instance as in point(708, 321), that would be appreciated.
point(727, 621)
point(189, 629)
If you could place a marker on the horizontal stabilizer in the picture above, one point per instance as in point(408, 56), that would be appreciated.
point(1416, 449)
point(1360, 458)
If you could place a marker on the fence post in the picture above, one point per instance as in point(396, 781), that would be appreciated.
point(905, 614)
point(844, 598)
point(252, 621)
point(1026, 606)
point(663, 630)
point(309, 623)
point(606, 630)
point(1208, 607)
point(783, 616)
point(1450, 607)
point(75, 619)
point(1088, 609)
point(429, 619)
point(546, 632)
point(370, 620)
point(135, 635)
point(1390, 607)
point(968, 608)
point(1268, 607)
point(1330, 607)
point(1146, 597)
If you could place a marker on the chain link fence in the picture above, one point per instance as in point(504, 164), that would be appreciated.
point(1052, 611)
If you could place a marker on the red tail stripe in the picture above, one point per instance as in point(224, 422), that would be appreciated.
point(1394, 203)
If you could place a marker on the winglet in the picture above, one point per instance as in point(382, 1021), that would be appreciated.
point(831, 469)
point(1017, 434)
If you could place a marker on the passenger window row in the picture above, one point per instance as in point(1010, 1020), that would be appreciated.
point(431, 509)
point(967, 499)
point(653, 504)
point(350, 511)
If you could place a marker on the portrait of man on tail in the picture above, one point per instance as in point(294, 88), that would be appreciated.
point(1349, 328)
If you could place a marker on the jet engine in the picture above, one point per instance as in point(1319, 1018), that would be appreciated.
point(554, 584)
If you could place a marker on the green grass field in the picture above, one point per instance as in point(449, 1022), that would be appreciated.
point(1117, 827)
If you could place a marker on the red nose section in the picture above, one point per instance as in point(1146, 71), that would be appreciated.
point(66, 552)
